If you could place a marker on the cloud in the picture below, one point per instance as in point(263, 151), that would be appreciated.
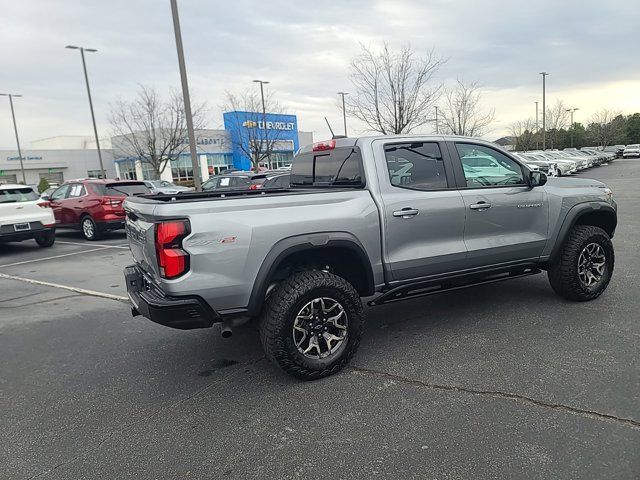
point(304, 49)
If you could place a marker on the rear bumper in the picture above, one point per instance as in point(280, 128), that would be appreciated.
point(184, 313)
point(111, 224)
point(8, 233)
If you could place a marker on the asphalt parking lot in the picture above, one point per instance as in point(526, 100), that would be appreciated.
point(500, 381)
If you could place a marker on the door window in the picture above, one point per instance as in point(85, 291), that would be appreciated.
point(76, 190)
point(416, 165)
point(486, 167)
point(60, 193)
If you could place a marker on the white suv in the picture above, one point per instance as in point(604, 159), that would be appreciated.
point(631, 151)
point(23, 216)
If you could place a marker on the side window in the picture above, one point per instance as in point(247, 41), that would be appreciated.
point(486, 167)
point(60, 193)
point(417, 166)
point(76, 190)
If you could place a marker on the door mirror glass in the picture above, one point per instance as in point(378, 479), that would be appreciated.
point(537, 179)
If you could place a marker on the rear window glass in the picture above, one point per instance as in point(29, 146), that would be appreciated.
point(14, 195)
point(339, 167)
point(119, 189)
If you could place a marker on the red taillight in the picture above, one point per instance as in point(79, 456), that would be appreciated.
point(322, 146)
point(255, 186)
point(172, 259)
point(112, 202)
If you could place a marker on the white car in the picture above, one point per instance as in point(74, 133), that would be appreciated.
point(162, 186)
point(24, 216)
point(631, 151)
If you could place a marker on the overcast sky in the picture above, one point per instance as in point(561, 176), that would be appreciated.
point(590, 48)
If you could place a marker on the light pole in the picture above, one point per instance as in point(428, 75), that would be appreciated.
point(344, 112)
point(571, 110)
point(544, 110)
point(437, 126)
point(15, 129)
point(93, 118)
point(537, 125)
point(185, 95)
point(264, 118)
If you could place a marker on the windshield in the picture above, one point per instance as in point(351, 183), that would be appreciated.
point(19, 194)
point(119, 189)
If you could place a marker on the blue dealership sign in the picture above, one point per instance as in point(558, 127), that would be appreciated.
point(249, 130)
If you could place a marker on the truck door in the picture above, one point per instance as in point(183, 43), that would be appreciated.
point(506, 219)
point(423, 211)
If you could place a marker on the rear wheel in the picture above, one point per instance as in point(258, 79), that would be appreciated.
point(46, 240)
point(312, 324)
point(584, 267)
point(89, 228)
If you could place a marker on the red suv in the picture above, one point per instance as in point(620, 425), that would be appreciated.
point(93, 206)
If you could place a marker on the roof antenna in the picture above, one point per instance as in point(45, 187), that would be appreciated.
point(333, 135)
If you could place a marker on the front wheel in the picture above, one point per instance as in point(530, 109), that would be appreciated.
point(46, 240)
point(584, 267)
point(312, 324)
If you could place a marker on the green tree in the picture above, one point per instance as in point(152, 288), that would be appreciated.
point(43, 185)
point(632, 129)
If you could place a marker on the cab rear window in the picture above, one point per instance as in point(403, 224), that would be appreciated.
point(339, 167)
point(15, 195)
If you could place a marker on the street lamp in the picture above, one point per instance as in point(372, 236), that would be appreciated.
point(344, 112)
point(15, 129)
point(195, 165)
point(93, 118)
point(571, 110)
point(544, 110)
point(537, 123)
point(264, 117)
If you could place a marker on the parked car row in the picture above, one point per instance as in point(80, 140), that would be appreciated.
point(559, 163)
point(90, 205)
point(241, 180)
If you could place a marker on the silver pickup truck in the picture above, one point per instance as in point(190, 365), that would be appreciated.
point(388, 218)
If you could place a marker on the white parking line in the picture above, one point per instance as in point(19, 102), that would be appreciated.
point(124, 246)
point(53, 257)
point(66, 287)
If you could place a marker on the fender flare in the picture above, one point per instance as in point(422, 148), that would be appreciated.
point(288, 246)
point(572, 217)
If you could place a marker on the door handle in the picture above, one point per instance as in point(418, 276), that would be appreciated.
point(480, 206)
point(407, 212)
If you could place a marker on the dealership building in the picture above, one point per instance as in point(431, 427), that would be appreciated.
point(63, 158)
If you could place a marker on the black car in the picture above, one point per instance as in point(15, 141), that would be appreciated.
point(234, 181)
point(276, 180)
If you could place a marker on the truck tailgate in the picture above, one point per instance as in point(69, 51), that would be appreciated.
point(141, 235)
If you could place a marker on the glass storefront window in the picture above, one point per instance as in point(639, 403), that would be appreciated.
point(127, 170)
point(219, 162)
point(181, 168)
point(147, 171)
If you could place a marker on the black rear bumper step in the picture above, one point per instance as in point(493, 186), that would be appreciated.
point(432, 287)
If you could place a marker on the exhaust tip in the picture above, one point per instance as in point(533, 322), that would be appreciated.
point(226, 331)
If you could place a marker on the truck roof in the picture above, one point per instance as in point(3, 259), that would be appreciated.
point(367, 139)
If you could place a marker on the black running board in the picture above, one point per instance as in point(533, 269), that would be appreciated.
point(422, 289)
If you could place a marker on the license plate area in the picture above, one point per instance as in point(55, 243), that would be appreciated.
point(22, 227)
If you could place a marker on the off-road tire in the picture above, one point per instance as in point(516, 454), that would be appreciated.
point(563, 272)
point(281, 309)
point(92, 234)
point(45, 240)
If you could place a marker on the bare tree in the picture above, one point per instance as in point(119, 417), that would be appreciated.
point(462, 113)
point(151, 129)
point(557, 119)
point(394, 90)
point(605, 126)
point(524, 131)
point(260, 141)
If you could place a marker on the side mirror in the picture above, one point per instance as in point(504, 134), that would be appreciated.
point(537, 179)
